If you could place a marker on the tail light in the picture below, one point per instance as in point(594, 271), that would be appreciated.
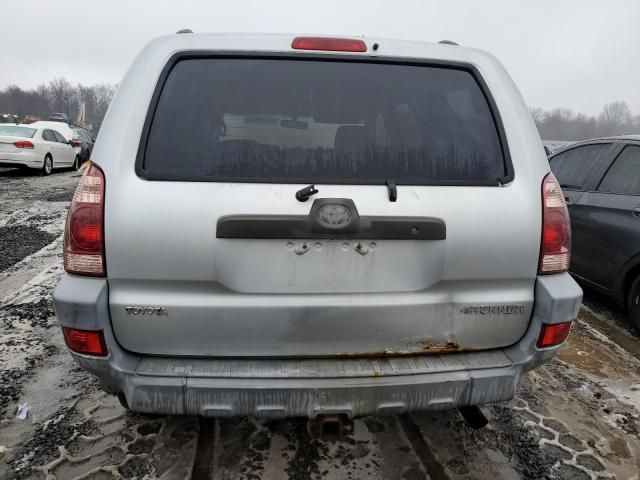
point(329, 44)
point(84, 232)
point(556, 229)
point(552, 335)
point(23, 144)
point(76, 143)
point(87, 342)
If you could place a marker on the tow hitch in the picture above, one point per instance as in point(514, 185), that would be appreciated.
point(473, 416)
point(330, 427)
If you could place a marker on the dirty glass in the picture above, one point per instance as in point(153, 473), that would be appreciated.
point(624, 175)
point(48, 136)
point(322, 121)
point(572, 168)
point(13, 131)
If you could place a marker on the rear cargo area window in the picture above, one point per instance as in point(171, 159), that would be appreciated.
point(310, 121)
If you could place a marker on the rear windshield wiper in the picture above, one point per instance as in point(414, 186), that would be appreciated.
point(303, 194)
point(392, 190)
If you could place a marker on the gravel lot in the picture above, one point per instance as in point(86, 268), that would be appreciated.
point(577, 417)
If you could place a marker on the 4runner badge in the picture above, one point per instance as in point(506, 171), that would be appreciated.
point(159, 311)
point(493, 310)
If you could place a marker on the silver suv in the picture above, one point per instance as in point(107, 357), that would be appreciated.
point(280, 226)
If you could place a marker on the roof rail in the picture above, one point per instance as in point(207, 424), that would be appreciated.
point(185, 30)
point(449, 42)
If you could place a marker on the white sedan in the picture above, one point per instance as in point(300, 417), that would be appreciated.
point(35, 147)
point(67, 131)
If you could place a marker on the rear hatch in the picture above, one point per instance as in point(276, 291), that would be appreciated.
point(417, 240)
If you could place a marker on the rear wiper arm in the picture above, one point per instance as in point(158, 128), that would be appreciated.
point(392, 191)
point(303, 194)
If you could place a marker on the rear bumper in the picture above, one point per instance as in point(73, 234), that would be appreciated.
point(25, 158)
point(308, 387)
point(308, 397)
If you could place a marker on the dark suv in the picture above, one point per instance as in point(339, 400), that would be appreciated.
point(601, 183)
point(82, 139)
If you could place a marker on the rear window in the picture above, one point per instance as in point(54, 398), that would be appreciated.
point(572, 168)
point(12, 131)
point(310, 121)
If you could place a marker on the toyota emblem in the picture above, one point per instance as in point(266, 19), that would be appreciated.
point(334, 216)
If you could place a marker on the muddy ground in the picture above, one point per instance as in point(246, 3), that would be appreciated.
point(577, 417)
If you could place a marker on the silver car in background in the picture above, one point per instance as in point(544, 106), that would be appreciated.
point(280, 226)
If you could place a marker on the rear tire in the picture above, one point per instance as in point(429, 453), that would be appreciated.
point(76, 163)
point(47, 165)
point(123, 400)
point(633, 304)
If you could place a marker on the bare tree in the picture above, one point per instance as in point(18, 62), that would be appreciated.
point(538, 115)
point(104, 94)
point(60, 95)
point(563, 124)
point(57, 96)
point(87, 96)
point(614, 117)
point(616, 113)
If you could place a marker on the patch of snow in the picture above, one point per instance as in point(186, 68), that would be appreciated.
point(598, 335)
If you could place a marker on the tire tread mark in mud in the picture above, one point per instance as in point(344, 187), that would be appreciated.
point(429, 462)
point(20, 241)
point(203, 468)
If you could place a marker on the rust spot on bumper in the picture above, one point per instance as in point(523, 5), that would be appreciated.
point(432, 346)
point(419, 347)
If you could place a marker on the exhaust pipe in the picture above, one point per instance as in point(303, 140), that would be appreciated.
point(330, 426)
point(473, 416)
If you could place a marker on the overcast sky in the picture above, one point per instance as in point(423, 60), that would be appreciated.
point(578, 54)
